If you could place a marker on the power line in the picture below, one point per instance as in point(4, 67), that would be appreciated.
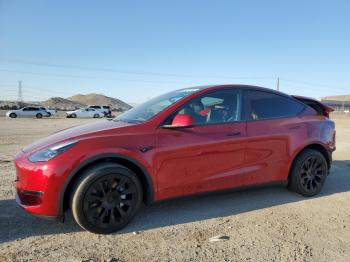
point(115, 77)
point(42, 74)
point(314, 84)
point(132, 72)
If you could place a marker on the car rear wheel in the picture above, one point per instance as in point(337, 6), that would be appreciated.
point(106, 198)
point(96, 115)
point(13, 115)
point(73, 115)
point(309, 173)
point(39, 115)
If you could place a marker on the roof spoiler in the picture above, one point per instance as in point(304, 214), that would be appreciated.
point(320, 108)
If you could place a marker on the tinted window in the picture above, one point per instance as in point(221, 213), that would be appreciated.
point(154, 106)
point(217, 107)
point(30, 109)
point(264, 105)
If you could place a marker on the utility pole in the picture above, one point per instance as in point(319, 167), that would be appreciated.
point(20, 94)
point(278, 84)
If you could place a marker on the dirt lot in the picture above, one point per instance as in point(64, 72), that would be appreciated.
point(269, 224)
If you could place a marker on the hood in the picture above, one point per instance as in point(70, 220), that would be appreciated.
point(75, 133)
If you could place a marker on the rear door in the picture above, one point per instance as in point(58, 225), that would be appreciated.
point(210, 154)
point(273, 132)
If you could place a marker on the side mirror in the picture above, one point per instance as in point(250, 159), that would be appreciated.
point(182, 120)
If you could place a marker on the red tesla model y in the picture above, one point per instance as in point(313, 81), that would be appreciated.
point(184, 142)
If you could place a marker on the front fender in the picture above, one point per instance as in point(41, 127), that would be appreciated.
point(120, 154)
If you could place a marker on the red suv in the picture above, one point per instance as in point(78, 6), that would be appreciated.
point(185, 142)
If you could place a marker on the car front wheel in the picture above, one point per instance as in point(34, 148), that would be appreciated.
point(309, 173)
point(13, 115)
point(106, 198)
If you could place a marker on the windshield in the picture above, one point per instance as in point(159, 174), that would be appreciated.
point(149, 109)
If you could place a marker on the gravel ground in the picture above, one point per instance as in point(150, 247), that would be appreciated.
point(268, 224)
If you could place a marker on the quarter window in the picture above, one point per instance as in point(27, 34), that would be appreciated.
point(265, 105)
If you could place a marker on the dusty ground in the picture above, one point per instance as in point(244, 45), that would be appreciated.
point(269, 224)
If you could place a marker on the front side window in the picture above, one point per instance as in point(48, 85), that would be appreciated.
point(265, 105)
point(223, 106)
point(149, 109)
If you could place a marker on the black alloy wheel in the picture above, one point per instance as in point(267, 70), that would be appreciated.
point(309, 173)
point(107, 198)
point(312, 174)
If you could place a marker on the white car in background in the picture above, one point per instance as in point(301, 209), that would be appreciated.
point(50, 112)
point(27, 112)
point(102, 109)
point(85, 113)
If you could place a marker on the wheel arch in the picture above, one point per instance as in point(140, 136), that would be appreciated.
point(134, 165)
point(315, 146)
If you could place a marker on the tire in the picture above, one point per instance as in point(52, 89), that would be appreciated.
point(105, 198)
point(13, 115)
point(39, 115)
point(96, 115)
point(309, 173)
point(73, 115)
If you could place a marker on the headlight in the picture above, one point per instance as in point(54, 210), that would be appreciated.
point(51, 152)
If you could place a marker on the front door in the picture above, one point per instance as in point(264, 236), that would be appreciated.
point(208, 155)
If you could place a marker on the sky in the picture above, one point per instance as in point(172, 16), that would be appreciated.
point(135, 50)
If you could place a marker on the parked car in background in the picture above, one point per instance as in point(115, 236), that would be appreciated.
point(184, 142)
point(50, 112)
point(85, 113)
point(102, 109)
point(28, 112)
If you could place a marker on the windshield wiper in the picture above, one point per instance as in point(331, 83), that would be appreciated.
point(130, 121)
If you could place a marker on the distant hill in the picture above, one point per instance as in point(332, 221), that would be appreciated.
point(337, 98)
point(97, 99)
point(62, 103)
point(73, 102)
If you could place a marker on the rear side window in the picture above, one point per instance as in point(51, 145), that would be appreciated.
point(265, 105)
point(31, 109)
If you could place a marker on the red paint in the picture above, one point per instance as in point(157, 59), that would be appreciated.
point(181, 161)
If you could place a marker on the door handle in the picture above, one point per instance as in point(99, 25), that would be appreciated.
point(236, 133)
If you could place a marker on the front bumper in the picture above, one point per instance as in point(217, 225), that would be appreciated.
point(38, 185)
point(20, 202)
